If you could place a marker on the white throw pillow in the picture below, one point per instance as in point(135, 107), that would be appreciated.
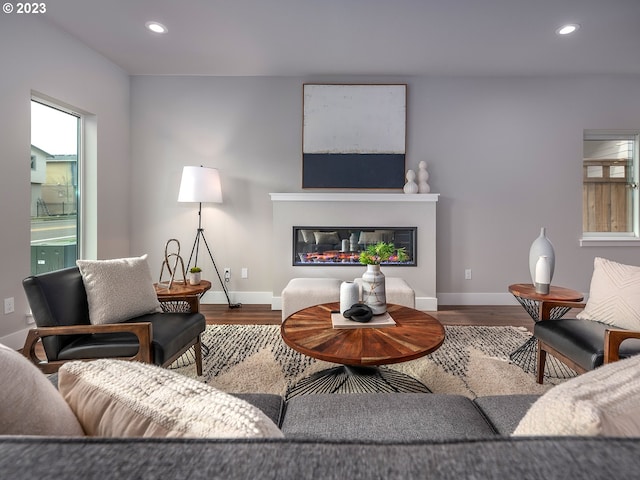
point(115, 398)
point(324, 238)
point(614, 295)
point(29, 403)
point(602, 402)
point(118, 289)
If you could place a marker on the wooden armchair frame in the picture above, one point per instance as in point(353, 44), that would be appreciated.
point(613, 337)
point(142, 330)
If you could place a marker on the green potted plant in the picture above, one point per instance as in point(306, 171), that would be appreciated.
point(373, 282)
point(382, 252)
point(195, 275)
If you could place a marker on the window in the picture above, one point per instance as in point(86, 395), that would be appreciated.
point(55, 140)
point(610, 187)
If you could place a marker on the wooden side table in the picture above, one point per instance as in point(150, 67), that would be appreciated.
point(182, 289)
point(525, 293)
point(175, 295)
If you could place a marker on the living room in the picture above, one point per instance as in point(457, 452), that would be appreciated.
point(503, 144)
point(497, 105)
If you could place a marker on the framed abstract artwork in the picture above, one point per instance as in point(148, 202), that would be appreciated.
point(354, 136)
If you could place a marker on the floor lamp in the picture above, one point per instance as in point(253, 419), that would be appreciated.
point(202, 185)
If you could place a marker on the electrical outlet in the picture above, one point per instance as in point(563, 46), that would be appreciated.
point(467, 274)
point(227, 274)
point(9, 305)
point(244, 272)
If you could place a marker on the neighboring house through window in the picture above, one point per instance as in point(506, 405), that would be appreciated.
point(55, 140)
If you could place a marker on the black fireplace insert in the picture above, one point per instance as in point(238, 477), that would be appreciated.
point(341, 246)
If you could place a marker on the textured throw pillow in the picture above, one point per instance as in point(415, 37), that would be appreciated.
point(307, 236)
point(115, 398)
point(602, 402)
point(326, 238)
point(367, 238)
point(29, 403)
point(118, 289)
point(614, 295)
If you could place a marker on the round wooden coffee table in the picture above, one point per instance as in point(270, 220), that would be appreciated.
point(361, 350)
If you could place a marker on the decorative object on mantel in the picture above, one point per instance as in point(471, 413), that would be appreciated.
point(541, 246)
point(423, 177)
point(177, 259)
point(353, 136)
point(373, 281)
point(349, 293)
point(195, 275)
point(411, 186)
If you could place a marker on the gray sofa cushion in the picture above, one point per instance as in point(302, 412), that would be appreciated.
point(504, 412)
point(382, 416)
point(499, 458)
point(271, 405)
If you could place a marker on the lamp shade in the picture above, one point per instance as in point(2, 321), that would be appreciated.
point(200, 184)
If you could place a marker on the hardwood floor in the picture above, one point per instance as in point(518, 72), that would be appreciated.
point(501, 315)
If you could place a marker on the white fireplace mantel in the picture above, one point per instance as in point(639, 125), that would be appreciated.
point(329, 209)
point(352, 197)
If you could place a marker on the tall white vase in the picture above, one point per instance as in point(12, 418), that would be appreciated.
point(543, 275)
point(349, 293)
point(541, 246)
point(373, 289)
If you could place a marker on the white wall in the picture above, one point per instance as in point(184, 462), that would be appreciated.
point(504, 153)
point(38, 57)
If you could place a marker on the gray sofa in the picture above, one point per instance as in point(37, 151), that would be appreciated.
point(342, 436)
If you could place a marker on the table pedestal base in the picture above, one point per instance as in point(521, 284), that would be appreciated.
point(357, 379)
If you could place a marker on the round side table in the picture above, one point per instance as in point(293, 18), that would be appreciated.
point(525, 293)
point(178, 291)
point(181, 289)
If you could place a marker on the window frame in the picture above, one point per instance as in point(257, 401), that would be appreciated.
point(79, 174)
point(617, 239)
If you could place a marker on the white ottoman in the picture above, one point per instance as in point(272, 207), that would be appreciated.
point(397, 291)
point(306, 292)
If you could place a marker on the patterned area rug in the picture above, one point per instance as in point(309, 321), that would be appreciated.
point(473, 361)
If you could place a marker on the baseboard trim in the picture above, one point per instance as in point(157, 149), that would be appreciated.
point(476, 299)
point(422, 303)
point(248, 298)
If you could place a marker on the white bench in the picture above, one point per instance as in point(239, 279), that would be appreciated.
point(305, 292)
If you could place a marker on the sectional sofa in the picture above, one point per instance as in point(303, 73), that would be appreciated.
point(585, 428)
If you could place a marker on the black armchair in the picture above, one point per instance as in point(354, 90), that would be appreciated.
point(583, 345)
point(59, 305)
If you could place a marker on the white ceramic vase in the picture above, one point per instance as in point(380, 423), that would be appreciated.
point(195, 278)
point(541, 246)
point(349, 293)
point(373, 289)
point(423, 176)
point(411, 186)
point(543, 275)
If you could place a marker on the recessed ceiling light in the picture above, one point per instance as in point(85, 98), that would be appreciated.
point(156, 27)
point(567, 29)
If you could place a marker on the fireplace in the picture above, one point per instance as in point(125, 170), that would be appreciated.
point(341, 246)
point(327, 212)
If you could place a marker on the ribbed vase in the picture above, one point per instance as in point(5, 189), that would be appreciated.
point(541, 246)
point(349, 293)
point(373, 289)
